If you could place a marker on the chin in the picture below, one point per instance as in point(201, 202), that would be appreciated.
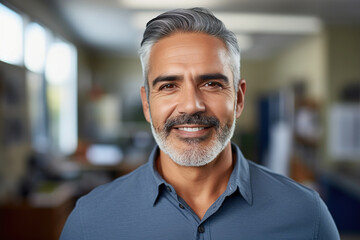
point(194, 154)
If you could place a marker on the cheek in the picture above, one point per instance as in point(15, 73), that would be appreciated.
point(223, 110)
point(160, 111)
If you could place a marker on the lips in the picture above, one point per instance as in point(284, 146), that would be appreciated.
point(192, 132)
point(191, 129)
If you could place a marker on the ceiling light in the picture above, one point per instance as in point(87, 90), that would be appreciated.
point(268, 23)
point(251, 23)
point(166, 4)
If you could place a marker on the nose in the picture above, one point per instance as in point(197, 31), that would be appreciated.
point(190, 101)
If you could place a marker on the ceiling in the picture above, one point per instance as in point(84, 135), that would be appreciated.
point(116, 26)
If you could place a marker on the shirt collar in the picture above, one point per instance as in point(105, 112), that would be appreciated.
point(239, 179)
point(155, 176)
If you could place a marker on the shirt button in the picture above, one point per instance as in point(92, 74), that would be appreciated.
point(201, 229)
point(168, 188)
point(181, 206)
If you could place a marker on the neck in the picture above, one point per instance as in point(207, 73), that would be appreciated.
point(198, 186)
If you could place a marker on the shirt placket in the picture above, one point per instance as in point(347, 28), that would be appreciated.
point(200, 228)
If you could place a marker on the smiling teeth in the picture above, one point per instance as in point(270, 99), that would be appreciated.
point(191, 129)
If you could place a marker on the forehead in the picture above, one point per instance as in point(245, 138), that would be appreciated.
point(196, 51)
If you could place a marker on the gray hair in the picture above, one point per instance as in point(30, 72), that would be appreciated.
point(188, 20)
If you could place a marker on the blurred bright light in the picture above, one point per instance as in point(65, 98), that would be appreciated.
point(35, 47)
point(270, 23)
point(61, 75)
point(251, 23)
point(344, 132)
point(11, 36)
point(102, 154)
point(59, 60)
point(167, 4)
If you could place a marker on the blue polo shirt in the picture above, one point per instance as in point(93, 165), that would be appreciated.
point(257, 204)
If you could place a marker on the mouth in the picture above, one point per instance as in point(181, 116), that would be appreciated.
point(191, 126)
point(192, 131)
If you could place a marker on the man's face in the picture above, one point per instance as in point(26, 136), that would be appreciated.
point(192, 101)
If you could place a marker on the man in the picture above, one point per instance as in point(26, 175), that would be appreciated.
point(197, 185)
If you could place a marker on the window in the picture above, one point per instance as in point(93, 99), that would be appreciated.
point(35, 47)
point(11, 36)
point(61, 76)
point(51, 80)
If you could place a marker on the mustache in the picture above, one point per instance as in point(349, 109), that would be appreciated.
point(196, 118)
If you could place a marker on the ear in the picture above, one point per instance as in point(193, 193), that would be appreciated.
point(240, 97)
point(145, 104)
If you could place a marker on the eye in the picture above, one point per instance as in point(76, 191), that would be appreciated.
point(167, 86)
point(213, 85)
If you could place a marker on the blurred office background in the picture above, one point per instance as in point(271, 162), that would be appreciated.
point(71, 116)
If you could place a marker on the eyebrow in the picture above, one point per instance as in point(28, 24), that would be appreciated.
point(165, 79)
point(204, 77)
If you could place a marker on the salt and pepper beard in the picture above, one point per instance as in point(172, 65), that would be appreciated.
point(197, 155)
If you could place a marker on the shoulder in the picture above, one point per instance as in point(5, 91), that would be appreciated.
point(117, 200)
point(266, 181)
point(119, 189)
point(291, 201)
point(281, 195)
point(107, 205)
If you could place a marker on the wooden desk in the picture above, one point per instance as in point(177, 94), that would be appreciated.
point(25, 222)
